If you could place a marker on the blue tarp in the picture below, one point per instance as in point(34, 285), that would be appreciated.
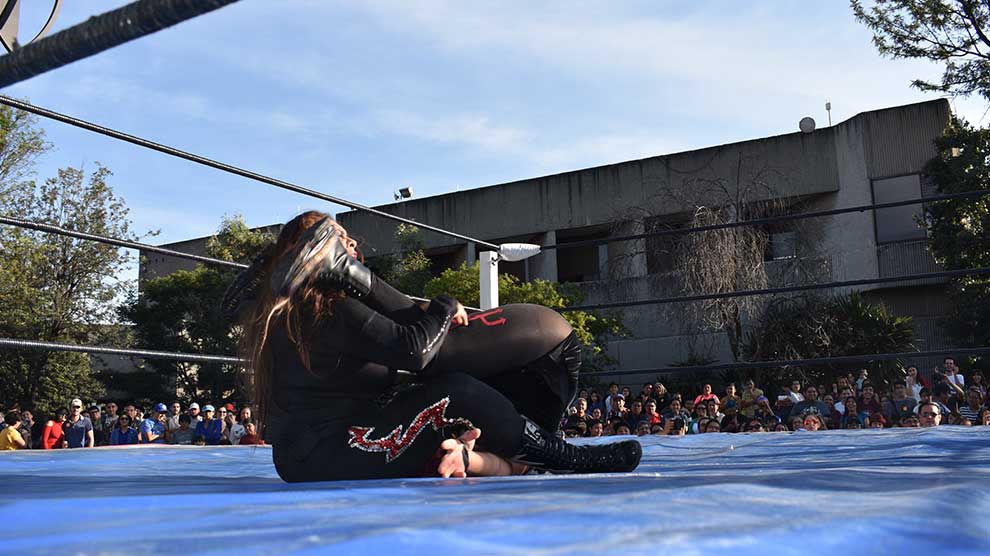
point(901, 491)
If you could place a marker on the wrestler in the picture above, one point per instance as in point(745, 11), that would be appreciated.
point(354, 381)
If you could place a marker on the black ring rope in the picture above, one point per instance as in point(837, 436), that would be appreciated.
point(51, 229)
point(768, 220)
point(54, 346)
point(27, 107)
point(100, 33)
point(838, 359)
point(785, 289)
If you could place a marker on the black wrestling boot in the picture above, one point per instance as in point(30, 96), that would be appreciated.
point(543, 451)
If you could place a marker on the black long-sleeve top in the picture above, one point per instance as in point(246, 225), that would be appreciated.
point(355, 352)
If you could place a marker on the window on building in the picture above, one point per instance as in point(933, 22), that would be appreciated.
point(781, 245)
point(581, 263)
point(661, 250)
point(898, 223)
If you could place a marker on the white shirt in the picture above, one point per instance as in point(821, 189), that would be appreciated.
point(236, 432)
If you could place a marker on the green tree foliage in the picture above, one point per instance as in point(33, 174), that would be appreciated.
point(55, 288)
point(949, 32)
point(592, 329)
point(959, 229)
point(411, 270)
point(180, 312)
point(810, 327)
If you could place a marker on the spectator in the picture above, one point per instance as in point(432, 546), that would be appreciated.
point(595, 402)
point(910, 421)
point(762, 409)
point(636, 414)
point(951, 372)
point(613, 389)
point(660, 394)
point(699, 414)
point(101, 425)
point(622, 429)
point(794, 392)
point(915, 382)
point(712, 426)
point(984, 419)
point(183, 435)
point(755, 425)
point(111, 413)
point(676, 426)
point(730, 423)
point(131, 411)
point(971, 410)
point(840, 402)
point(877, 421)
point(595, 430)
point(841, 384)
point(853, 423)
point(580, 415)
point(976, 381)
point(194, 412)
point(811, 401)
point(941, 395)
point(582, 393)
point(643, 427)
point(626, 392)
point(123, 434)
point(10, 436)
point(795, 423)
point(675, 411)
point(53, 436)
point(780, 427)
point(813, 421)
point(705, 395)
point(209, 430)
point(78, 428)
point(172, 422)
point(748, 399)
point(646, 393)
point(853, 413)
point(153, 428)
point(227, 418)
point(713, 413)
point(868, 401)
point(899, 404)
point(861, 381)
point(26, 428)
point(730, 401)
point(651, 413)
point(618, 408)
point(596, 415)
point(929, 414)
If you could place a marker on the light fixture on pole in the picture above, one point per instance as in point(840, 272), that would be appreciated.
point(404, 193)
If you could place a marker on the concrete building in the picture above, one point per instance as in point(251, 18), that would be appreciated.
point(875, 156)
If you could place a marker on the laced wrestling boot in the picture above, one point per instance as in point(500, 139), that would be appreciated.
point(543, 451)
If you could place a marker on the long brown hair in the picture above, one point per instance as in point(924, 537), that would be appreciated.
point(294, 316)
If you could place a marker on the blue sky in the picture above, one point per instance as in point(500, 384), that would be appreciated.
point(359, 99)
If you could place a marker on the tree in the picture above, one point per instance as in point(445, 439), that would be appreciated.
point(809, 327)
point(950, 32)
point(592, 329)
point(411, 270)
point(181, 312)
point(959, 229)
point(729, 259)
point(55, 288)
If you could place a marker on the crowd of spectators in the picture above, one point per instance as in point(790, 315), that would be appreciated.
point(71, 427)
point(851, 402)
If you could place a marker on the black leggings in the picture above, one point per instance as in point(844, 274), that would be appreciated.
point(512, 361)
point(401, 438)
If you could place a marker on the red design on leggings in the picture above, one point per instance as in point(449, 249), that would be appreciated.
point(483, 317)
point(396, 442)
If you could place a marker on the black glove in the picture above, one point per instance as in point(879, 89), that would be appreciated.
point(320, 253)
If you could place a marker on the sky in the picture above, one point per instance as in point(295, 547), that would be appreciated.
point(359, 99)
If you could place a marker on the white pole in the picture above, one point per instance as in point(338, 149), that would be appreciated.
point(488, 279)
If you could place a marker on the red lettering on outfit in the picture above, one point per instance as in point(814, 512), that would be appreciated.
point(483, 317)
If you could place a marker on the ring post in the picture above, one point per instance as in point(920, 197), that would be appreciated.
point(488, 279)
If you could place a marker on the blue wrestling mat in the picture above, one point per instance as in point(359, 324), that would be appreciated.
point(900, 491)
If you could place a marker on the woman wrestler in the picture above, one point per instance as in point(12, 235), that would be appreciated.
point(355, 381)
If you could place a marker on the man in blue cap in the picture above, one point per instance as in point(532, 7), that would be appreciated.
point(153, 428)
point(209, 430)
